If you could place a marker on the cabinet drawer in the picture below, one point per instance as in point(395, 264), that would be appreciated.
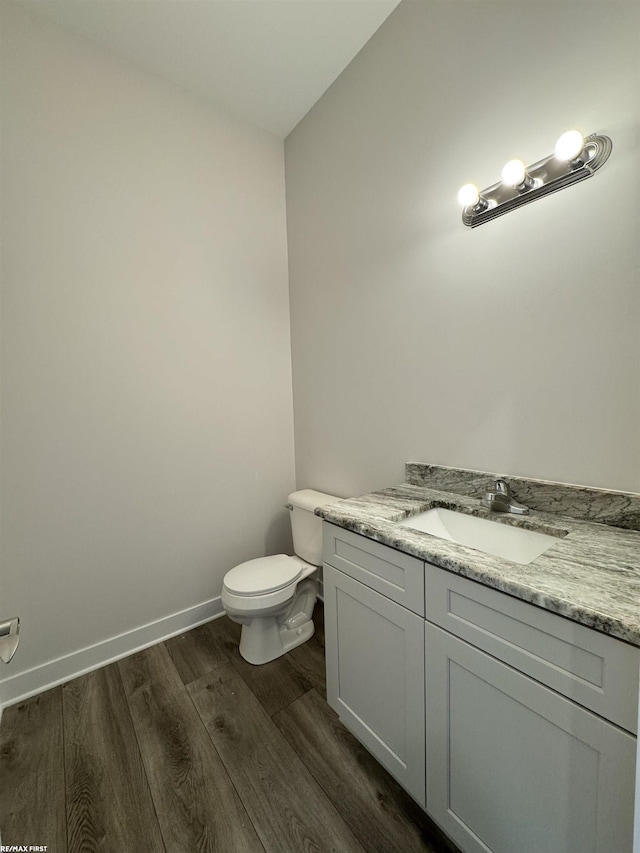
point(593, 669)
point(392, 573)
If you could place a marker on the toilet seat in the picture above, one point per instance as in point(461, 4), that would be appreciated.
point(263, 576)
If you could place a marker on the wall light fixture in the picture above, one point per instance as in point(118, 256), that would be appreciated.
point(574, 159)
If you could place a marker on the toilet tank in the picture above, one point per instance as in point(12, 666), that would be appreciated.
point(307, 527)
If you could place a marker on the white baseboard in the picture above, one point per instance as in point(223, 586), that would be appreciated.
point(47, 675)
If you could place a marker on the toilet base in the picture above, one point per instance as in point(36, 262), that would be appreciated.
point(265, 638)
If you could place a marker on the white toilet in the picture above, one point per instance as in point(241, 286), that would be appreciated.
point(273, 597)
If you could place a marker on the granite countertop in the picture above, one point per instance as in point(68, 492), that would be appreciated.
point(591, 575)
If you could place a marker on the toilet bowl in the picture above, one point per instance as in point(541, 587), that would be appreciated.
point(273, 597)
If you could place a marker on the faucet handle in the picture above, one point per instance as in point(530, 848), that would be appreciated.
point(502, 487)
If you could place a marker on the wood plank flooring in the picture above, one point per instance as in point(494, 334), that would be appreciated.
point(187, 748)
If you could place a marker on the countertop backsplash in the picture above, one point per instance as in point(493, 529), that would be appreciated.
point(604, 506)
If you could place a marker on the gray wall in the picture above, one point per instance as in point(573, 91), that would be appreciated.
point(147, 430)
point(514, 347)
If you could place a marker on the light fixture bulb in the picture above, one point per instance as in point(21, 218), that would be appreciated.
point(569, 146)
point(514, 173)
point(468, 195)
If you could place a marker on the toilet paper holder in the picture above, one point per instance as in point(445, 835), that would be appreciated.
point(9, 638)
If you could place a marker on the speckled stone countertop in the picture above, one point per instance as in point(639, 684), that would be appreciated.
point(591, 575)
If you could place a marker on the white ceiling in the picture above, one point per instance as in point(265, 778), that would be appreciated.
point(265, 61)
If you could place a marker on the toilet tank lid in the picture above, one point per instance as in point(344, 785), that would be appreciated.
point(310, 499)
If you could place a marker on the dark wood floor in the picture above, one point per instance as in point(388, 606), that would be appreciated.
point(186, 747)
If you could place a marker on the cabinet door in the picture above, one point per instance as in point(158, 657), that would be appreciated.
point(375, 675)
point(514, 766)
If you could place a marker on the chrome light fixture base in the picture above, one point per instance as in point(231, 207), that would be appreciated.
point(547, 176)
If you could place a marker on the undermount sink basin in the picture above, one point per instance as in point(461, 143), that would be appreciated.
point(501, 540)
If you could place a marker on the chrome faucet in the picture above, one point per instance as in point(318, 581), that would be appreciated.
point(500, 500)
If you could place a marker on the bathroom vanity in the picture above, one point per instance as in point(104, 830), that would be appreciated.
point(502, 696)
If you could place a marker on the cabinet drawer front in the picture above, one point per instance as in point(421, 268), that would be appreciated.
point(593, 669)
point(392, 573)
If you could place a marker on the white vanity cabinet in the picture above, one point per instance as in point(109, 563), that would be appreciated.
point(524, 726)
point(374, 639)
